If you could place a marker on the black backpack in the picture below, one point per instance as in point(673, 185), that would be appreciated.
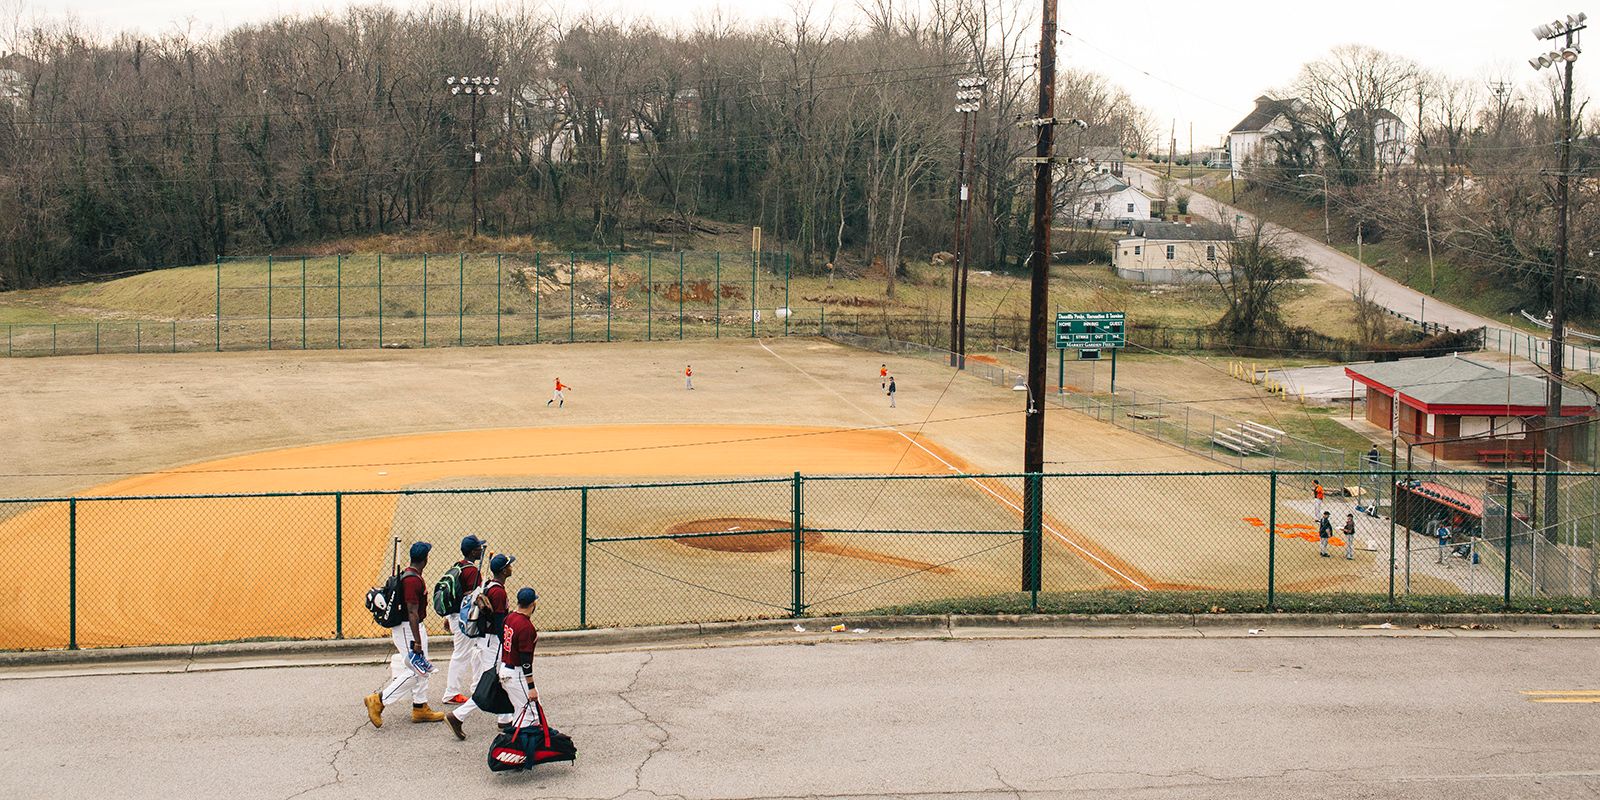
point(385, 603)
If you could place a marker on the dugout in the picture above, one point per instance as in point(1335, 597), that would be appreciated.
point(1422, 505)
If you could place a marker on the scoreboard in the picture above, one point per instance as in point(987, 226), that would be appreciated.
point(1091, 330)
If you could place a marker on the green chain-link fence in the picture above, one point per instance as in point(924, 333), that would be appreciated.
point(114, 571)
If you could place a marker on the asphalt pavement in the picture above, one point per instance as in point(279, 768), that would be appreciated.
point(1150, 712)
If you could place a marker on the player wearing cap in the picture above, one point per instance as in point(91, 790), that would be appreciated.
point(464, 651)
point(410, 663)
point(494, 591)
point(558, 397)
point(883, 377)
point(516, 662)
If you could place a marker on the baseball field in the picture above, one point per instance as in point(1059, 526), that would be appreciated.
point(368, 422)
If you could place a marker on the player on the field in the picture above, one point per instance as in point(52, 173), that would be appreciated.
point(558, 397)
point(688, 377)
point(883, 376)
point(891, 392)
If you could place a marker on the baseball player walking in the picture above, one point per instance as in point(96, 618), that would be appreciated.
point(516, 660)
point(891, 392)
point(688, 377)
point(1349, 537)
point(495, 592)
point(410, 663)
point(558, 398)
point(464, 650)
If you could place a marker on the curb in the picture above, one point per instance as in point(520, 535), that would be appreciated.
point(709, 633)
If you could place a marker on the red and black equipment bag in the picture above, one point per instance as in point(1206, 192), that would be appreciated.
point(522, 748)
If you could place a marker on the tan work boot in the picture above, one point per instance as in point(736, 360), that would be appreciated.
point(423, 713)
point(375, 709)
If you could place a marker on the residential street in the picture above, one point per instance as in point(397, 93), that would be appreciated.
point(1179, 712)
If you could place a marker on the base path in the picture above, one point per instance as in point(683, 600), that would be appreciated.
point(1182, 713)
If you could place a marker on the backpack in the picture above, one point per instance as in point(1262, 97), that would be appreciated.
point(447, 592)
point(476, 614)
point(384, 602)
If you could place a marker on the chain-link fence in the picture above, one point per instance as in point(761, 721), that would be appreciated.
point(115, 571)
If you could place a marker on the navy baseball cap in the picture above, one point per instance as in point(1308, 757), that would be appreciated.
point(420, 550)
point(471, 543)
point(500, 562)
point(526, 595)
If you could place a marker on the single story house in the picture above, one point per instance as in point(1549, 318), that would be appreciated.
point(1107, 160)
point(1171, 252)
point(1425, 400)
point(1102, 200)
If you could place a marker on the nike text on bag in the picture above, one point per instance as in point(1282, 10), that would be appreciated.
point(522, 748)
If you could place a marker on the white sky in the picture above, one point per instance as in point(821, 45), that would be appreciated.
point(1185, 62)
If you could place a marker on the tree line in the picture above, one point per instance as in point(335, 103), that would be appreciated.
point(840, 140)
point(1474, 185)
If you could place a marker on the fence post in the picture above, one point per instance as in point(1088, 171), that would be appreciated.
point(1272, 542)
point(753, 259)
point(138, 338)
point(338, 300)
point(174, 336)
point(499, 280)
point(302, 302)
point(649, 295)
point(97, 338)
point(338, 565)
point(787, 311)
point(680, 295)
point(52, 338)
point(718, 328)
point(72, 574)
point(583, 558)
point(461, 299)
point(219, 302)
point(269, 301)
point(424, 299)
point(380, 301)
point(1510, 497)
point(608, 296)
point(572, 296)
point(799, 542)
point(535, 298)
point(1035, 525)
point(822, 327)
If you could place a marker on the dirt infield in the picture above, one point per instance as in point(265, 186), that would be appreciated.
point(352, 421)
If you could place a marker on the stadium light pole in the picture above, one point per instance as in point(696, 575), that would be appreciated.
point(969, 99)
point(474, 87)
point(1568, 30)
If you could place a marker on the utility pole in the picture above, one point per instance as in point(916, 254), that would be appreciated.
point(1191, 151)
point(1567, 29)
point(1039, 289)
point(474, 87)
point(969, 98)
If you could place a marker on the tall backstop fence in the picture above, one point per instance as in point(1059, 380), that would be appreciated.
point(117, 571)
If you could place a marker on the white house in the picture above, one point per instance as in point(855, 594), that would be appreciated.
point(1390, 146)
point(13, 86)
point(1107, 160)
point(1171, 252)
point(1247, 141)
point(1102, 200)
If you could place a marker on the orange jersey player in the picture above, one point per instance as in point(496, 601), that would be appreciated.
point(558, 398)
point(688, 377)
point(883, 377)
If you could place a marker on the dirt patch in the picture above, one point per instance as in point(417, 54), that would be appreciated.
point(773, 542)
point(848, 301)
point(740, 543)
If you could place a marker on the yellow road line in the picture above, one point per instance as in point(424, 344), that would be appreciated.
point(1564, 692)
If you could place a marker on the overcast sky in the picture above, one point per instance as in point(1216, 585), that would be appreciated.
point(1184, 62)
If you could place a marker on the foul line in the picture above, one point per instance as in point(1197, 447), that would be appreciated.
point(980, 484)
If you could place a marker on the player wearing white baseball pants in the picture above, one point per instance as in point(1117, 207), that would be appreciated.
point(467, 660)
point(401, 670)
point(488, 652)
point(516, 686)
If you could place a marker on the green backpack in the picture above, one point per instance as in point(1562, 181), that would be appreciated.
point(447, 592)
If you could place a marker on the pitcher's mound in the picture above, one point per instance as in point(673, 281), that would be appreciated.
point(733, 542)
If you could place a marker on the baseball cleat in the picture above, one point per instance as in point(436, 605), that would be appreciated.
point(455, 699)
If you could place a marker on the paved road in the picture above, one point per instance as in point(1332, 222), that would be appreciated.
point(1337, 269)
point(1177, 713)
